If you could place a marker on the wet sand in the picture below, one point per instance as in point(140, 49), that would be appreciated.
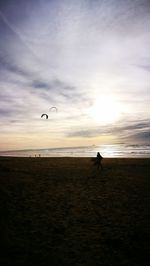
point(63, 211)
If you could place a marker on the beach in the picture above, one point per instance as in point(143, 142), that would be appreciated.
point(64, 211)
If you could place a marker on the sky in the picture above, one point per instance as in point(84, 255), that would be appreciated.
point(88, 58)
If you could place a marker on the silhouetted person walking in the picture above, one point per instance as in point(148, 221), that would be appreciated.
point(99, 160)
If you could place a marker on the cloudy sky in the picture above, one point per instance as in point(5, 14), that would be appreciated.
point(89, 58)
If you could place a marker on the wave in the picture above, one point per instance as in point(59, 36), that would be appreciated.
point(113, 150)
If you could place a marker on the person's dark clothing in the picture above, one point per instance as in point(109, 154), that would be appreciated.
point(98, 160)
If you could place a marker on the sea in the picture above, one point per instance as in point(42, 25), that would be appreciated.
point(108, 151)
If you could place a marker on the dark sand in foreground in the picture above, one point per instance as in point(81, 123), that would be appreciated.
point(62, 211)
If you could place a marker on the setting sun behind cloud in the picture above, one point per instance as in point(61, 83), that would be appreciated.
point(105, 109)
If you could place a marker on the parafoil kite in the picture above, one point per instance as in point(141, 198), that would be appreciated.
point(44, 115)
point(53, 109)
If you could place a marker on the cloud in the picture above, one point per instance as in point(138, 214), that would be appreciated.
point(134, 131)
point(16, 32)
point(37, 84)
point(122, 131)
point(5, 113)
point(145, 67)
point(85, 133)
point(140, 137)
point(10, 67)
point(67, 54)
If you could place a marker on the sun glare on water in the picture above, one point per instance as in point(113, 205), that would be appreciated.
point(105, 109)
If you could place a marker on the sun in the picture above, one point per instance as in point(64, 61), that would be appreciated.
point(105, 109)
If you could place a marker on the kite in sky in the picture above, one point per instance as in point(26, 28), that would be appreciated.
point(44, 115)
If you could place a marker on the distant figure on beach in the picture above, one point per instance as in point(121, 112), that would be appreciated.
point(99, 160)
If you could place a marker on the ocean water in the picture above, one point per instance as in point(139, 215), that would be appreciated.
point(117, 150)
